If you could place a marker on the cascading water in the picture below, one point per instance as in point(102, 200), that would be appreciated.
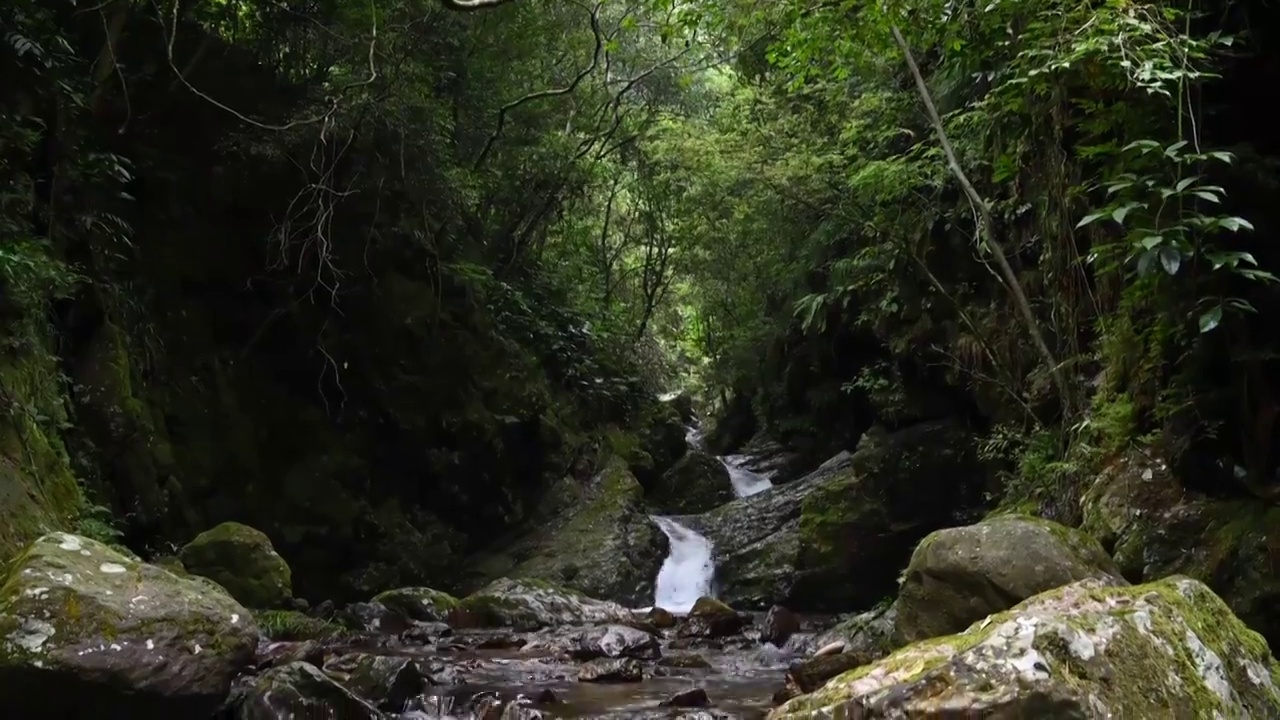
point(745, 482)
point(688, 571)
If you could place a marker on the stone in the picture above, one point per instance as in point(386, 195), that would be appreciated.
point(82, 625)
point(388, 681)
point(602, 543)
point(242, 560)
point(611, 670)
point(418, 603)
point(615, 641)
point(1154, 527)
point(710, 618)
point(1091, 649)
point(276, 654)
point(531, 604)
point(779, 625)
point(698, 482)
point(692, 698)
point(688, 661)
point(661, 618)
point(301, 690)
point(374, 617)
point(682, 402)
point(812, 673)
point(958, 576)
point(866, 637)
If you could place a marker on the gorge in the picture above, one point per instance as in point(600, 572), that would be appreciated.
point(504, 360)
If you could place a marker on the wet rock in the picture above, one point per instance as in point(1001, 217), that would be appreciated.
point(531, 604)
point(1166, 649)
point(692, 698)
point(960, 575)
point(418, 603)
point(1154, 527)
point(521, 709)
point(611, 670)
point(501, 642)
point(325, 610)
point(866, 637)
point(812, 673)
point(601, 543)
point(682, 402)
point(387, 681)
point(698, 482)
point(282, 653)
point(301, 690)
point(546, 696)
point(766, 456)
point(661, 618)
point(779, 625)
point(374, 617)
point(688, 661)
point(424, 633)
point(711, 618)
point(82, 625)
point(839, 537)
point(661, 435)
point(615, 641)
point(242, 560)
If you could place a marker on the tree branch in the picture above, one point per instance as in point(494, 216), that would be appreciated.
point(984, 212)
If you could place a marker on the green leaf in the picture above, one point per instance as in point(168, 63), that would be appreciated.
point(1170, 259)
point(1089, 219)
point(1151, 241)
point(1206, 196)
point(1119, 213)
point(1210, 319)
point(1185, 183)
point(1235, 224)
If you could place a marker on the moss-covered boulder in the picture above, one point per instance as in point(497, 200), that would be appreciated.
point(242, 560)
point(958, 576)
point(867, 636)
point(419, 603)
point(531, 604)
point(682, 402)
point(602, 544)
point(697, 483)
point(82, 625)
point(1169, 649)
point(1154, 527)
point(661, 436)
point(300, 689)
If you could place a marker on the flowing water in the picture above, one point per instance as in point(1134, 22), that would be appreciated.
point(688, 571)
point(745, 482)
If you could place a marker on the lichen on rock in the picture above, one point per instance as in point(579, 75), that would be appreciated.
point(532, 604)
point(82, 624)
point(419, 603)
point(242, 560)
point(1091, 649)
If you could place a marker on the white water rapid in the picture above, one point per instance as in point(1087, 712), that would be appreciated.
point(745, 482)
point(687, 572)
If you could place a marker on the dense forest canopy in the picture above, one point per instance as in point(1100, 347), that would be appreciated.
point(416, 254)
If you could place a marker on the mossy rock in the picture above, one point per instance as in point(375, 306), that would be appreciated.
point(84, 626)
point(529, 604)
point(867, 636)
point(1169, 649)
point(419, 603)
point(605, 546)
point(697, 483)
point(661, 437)
point(242, 560)
point(958, 576)
point(856, 530)
point(1154, 528)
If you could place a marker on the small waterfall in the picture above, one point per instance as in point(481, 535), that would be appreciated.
point(687, 573)
point(745, 482)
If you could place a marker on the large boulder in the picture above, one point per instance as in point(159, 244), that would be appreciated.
point(242, 560)
point(958, 576)
point(299, 689)
point(838, 538)
point(602, 544)
point(661, 436)
point(1154, 527)
point(418, 603)
point(82, 625)
point(697, 483)
point(1170, 649)
point(531, 604)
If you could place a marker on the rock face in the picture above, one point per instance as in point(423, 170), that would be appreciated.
point(82, 625)
point(960, 575)
point(603, 544)
point(1153, 527)
point(615, 641)
point(532, 604)
point(867, 636)
point(418, 603)
point(697, 483)
point(838, 538)
point(710, 618)
point(1169, 649)
point(242, 560)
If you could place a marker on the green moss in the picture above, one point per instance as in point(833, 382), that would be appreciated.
point(294, 626)
point(419, 603)
point(242, 560)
